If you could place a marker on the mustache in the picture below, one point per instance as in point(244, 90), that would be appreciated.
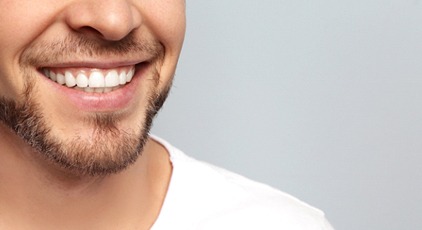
point(75, 46)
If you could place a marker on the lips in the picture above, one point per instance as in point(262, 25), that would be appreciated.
point(95, 88)
point(91, 80)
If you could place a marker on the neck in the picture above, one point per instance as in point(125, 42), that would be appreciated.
point(35, 194)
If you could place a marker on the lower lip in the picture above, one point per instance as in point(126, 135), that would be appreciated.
point(115, 100)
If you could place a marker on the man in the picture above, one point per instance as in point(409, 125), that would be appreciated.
point(80, 82)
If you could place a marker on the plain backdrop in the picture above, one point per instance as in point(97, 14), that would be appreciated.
point(321, 99)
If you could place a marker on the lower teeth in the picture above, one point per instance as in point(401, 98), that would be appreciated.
point(96, 90)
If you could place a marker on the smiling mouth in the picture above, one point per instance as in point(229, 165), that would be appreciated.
point(91, 80)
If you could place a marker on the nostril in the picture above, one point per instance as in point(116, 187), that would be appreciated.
point(108, 19)
point(90, 30)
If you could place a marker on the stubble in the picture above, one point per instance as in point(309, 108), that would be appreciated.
point(109, 149)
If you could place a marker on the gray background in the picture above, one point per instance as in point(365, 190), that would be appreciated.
point(321, 99)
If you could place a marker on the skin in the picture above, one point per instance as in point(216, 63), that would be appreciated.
point(37, 192)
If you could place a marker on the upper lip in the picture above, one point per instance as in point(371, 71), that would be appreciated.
point(93, 64)
point(99, 62)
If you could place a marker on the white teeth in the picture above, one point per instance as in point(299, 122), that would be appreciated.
point(89, 90)
point(99, 90)
point(97, 81)
point(82, 80)
point(129, 75)
point(60, 79)
point(53, 76)
point(70, 80)
point(122, 78)
point(111, 79)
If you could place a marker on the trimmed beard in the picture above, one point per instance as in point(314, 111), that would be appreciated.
point(110, 149)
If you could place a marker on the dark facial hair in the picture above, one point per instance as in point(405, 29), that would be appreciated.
point(110, 149)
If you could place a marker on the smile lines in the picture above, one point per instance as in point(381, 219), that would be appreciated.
point(92, 80)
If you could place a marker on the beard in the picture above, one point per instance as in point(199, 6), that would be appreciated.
point(109, 149)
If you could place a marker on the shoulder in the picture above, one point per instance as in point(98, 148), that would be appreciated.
point(214, 198)
point(247, 204)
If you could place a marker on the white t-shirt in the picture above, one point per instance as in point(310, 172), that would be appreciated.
point(202, 196)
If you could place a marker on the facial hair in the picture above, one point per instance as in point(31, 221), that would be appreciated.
point(109, 149)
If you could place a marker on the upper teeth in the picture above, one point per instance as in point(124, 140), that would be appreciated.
point(96, 79)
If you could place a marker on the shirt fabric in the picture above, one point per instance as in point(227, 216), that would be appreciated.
point(202, 196)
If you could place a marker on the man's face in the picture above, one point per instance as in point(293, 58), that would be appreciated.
point(80, 80)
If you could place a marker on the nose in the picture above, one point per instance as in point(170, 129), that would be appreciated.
point(109, 19)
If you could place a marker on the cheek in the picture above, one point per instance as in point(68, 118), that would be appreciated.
point(166, 21)
point(166, 18)
point(174, 30)
point(22, 23)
